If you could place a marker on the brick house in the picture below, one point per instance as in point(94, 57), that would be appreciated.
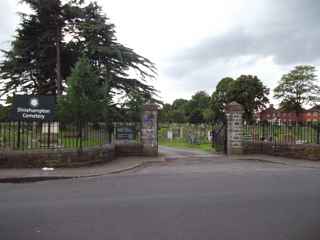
point(268, 114)
point(312, 115)
point(271, 114)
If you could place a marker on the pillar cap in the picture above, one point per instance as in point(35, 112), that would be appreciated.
point(233, 107)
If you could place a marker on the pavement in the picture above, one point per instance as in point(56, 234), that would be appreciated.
point(191, 195)
point(279, 160)
point(121, 164)
point(175, 154)
point(124, 164)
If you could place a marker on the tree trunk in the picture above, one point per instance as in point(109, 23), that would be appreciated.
point(58, 64)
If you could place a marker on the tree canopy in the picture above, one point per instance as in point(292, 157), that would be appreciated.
point(196, 107)
point(250, 92)
point(247, 90)
point(85, 99)
point(220, 97)
point(298, 87)
point(183, 111)
point(50, 40)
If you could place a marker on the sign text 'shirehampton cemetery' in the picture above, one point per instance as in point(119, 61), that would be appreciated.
point(33, 108)
point(125, 133)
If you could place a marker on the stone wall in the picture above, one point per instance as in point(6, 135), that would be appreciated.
point(129, 149)
point(299, 151)
point(236, 145)
point(73, 158)
point(57, 158)
point(69, 158)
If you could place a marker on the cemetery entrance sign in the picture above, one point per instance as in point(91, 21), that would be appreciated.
point(33, 108)
point(125, 133)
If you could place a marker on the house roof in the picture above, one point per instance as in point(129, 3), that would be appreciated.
point(271, 109)
point(314, 109)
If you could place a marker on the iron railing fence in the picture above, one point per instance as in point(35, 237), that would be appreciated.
point(52, 135)
point(283, 133)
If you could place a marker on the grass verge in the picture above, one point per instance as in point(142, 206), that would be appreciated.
point(184, 145)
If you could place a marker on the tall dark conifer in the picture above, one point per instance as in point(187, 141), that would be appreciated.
point(50, 40)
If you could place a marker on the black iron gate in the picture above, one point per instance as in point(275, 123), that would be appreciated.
point(219, 137)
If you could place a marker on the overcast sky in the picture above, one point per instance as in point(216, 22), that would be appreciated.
point(196, 43)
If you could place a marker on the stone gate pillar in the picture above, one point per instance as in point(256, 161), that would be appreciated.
point(149, 130)
point(234, 113)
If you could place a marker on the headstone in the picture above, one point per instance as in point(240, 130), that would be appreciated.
point(209, 136)
point(170, 135)
point(181, 132)
point(53, 128)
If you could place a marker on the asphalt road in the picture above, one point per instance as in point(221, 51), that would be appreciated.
point(191, 197)
point(182, 152)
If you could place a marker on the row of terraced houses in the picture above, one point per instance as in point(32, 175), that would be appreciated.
point(272, 114)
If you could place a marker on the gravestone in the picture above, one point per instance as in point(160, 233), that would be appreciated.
point(170, 135)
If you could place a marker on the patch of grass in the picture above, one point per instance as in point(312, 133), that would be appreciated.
point(184, 145)
point(75, 142)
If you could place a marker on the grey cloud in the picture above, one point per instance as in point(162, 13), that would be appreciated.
point(8, 19)
point(287, 31)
